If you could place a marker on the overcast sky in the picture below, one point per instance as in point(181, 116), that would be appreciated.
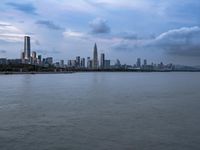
point(156, 30)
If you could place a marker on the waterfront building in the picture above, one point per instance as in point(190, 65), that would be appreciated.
point(78, 61)
point(107, 64)
point(145, 62)
point(89, 63)
point(95, 58)
point(82, 62)
point(49, 60)
point(3, 61)
point(62, 63)
point(138, 64)
point(27, 47)
point(102, 61)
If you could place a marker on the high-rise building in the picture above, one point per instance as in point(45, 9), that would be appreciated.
point(62, 63)
point(89, 63)
point(138, 64)
point(82, 62)
point(34, 55)
point(78, 61)
point(145, 62)
point(49, 60)
point(22, 55)
point(27, 47)
point(107, 64)
point(102, 61)
point(95, 58)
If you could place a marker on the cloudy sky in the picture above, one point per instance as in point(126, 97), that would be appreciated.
point(157, 30)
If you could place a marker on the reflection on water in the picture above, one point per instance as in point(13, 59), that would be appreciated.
point(140, 111)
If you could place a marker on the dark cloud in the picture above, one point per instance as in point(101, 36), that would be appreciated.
point(27, 8)
point(2, 51)
point(49, 24)
point(183, 41)
point(99, 26)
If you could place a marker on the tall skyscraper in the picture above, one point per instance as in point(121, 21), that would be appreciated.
point(138, 63)
point(95, 58)
point(78, 61)
point(27, 47)
point(102, 60)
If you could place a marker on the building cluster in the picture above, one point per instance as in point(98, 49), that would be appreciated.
point(94, 63)
point(79, 63)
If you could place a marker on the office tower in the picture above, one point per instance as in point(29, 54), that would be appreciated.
point(62, 63)
point(107, 64)
point(102, 61)
point(34, 55)
point(22, 55)
point(145, 62)
point(89, 66)
point(138, 63)
point(49, 60)
point(78, 61)
point(40, 57)
point(82, 62)
point(27, 47)
point(95, 58)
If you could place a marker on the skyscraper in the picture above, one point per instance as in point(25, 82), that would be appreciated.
point(95, 58)
point(138, 62)
point(82, 62)
point(78, 61)
point(27, 47)
point(102, 61)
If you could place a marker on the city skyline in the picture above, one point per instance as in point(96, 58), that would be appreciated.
point(125, 30)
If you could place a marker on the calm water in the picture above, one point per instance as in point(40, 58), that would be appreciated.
point(100, 111)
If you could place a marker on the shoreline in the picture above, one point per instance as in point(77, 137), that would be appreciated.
point(75, 71)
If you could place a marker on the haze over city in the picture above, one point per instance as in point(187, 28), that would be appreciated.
point(158, 30)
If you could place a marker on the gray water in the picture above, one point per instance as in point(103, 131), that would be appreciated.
point(100, 111)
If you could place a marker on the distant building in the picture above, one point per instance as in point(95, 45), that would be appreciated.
point(39, 59)
point(82, 62)
point(49, 60)
point(34, 55)
point(62, 63)
point(3, 61)
point(117, 64)
point(89, 63)
point(102, 61)
point(138, 63)
point(95, 58)
point(71, 63)
point(107, 64)
point(78, 61)
point(27, 47)
point(145, 62)
point(22, 55)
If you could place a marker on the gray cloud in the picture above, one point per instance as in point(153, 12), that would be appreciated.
point(99, 26)
point(27, 8)
point(49, 24)
point(183, 41)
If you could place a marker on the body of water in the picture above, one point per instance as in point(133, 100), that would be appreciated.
point(100, 111)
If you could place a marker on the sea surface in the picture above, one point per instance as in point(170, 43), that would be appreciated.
point(100, 111)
